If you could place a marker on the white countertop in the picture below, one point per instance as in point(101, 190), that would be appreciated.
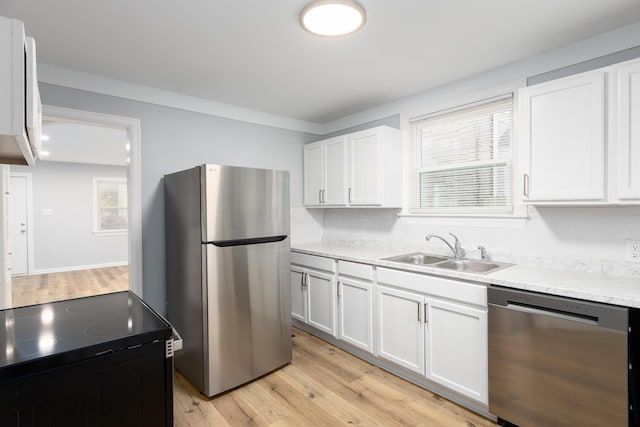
point(618, 290)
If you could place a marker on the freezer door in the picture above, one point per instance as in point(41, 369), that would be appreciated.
point(244, 203)
point(248, 312)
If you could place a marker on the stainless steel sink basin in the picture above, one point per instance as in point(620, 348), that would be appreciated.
point(448, 263)
point(471, 265)
point(417, 258)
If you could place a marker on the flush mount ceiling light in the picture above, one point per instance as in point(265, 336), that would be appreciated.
point(333, 18)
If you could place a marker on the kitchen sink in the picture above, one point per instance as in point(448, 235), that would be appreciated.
point(417, 258)
point(472, 265)
point(448, 263)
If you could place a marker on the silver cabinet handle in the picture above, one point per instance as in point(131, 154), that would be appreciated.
point(319, 196)
point(324, 196)
point(525, 190)
point(419, 319)
point(349, 197)
point(425, 314)
point(338, 289)
point(302, 282)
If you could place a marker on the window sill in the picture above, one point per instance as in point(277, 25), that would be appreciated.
point(110, 233)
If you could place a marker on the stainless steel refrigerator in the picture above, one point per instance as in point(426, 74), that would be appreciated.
point(227, 273)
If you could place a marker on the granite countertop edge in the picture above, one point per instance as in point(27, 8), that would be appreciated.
point(616, 290)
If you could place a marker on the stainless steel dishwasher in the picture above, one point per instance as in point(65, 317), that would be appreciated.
point(556, 361)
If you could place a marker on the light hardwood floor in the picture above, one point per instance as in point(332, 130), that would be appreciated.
point(39, 288)
point(323, 386)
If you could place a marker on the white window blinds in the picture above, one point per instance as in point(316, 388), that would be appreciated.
point(463, 160)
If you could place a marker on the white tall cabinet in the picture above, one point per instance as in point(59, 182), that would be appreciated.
point(358, 169)
point(579, 142)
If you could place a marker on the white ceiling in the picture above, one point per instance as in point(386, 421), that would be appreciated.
point(253, 54)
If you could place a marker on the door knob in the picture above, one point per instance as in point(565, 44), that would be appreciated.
point(23, 231)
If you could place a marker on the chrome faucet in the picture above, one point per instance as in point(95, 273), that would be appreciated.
point(458, 252)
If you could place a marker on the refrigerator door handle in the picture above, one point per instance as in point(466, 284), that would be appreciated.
point(242, 242)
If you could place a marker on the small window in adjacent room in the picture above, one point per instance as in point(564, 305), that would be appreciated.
point(110, 205)
point(462, 160)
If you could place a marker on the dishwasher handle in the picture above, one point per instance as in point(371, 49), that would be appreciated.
point(604, 315)
point(589, 320)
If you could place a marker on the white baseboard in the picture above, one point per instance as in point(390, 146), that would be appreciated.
point(78, 267)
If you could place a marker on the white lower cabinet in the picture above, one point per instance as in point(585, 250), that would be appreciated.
point(400, 328)
point(435, 327)
point(355, 304)
point(313, 291)
point(321, 291)
point(457, 348)
point(432, 326)
point(298, 294)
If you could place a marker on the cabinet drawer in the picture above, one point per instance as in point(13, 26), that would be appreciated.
point(435, 286)
point(313, 261)
point(354, 269)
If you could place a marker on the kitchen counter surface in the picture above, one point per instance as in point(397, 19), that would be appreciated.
point(618, 290)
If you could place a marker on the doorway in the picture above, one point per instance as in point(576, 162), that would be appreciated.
point(81, 156)
point(19, 247)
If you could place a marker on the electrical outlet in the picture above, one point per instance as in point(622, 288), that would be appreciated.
point(632, 251)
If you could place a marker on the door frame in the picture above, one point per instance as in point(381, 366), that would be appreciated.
point(132, 126)
point(29, 196)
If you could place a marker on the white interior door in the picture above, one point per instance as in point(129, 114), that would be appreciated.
point(18, 224)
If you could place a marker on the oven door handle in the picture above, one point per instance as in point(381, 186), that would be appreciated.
point(553, 313)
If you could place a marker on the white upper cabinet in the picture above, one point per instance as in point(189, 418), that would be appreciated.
point(325, 172)
point(626, 156)
point(358, 169)
point(20, 108)
point(562, 139)
point(579, 142)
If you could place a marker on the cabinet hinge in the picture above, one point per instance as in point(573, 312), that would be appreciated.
point(169, 348)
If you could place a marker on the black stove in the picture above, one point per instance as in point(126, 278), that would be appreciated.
point(95, 339)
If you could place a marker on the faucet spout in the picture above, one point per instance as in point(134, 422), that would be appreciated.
point(457, 250)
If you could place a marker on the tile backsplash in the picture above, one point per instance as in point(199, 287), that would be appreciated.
point(590, 239)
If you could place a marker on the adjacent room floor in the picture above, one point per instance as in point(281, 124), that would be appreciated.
point(323, 386)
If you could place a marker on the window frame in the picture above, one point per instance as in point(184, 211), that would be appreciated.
point(97, 230)
point(516, 211)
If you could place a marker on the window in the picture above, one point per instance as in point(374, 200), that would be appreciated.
point(462, 160)
point(110, 205)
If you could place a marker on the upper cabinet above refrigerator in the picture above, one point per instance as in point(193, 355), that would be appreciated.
point(20, 106)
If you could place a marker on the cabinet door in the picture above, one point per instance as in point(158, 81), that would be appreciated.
point(298, 294)
point(313, 174)
point(563, 139)
point(628, 132)
point(321, 292)
point(457, 348)
point(335, 172)
point(355, 301)
point(365, 160)
point(400, 328)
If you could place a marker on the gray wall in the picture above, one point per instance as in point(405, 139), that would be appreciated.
point(65, 239)
point(173, 140)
